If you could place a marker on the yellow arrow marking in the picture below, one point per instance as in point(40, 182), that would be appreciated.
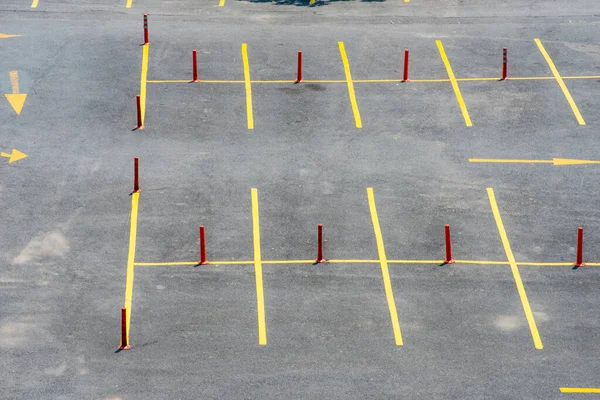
point(16, 155)
point(5, 36)
point(16, 99)
point(554, 161)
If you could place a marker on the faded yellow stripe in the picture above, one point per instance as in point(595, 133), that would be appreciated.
point(143, 80)
point(128, 5)
point(357, 119)
point(14, 81)
point(221, 3)
point(248, 86)
point(34, 4)
point(454, 83)
point(515, 271)
point(131, 258)
point(496, 160)
point(387, 283)
point(260, 298)
point(560, 82)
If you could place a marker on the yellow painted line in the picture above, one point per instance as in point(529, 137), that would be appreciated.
point(275, 81)
point(546, 264)
point(248, 86)
point(260, 298)
point(143, 80)
point(580, 390)
point(479, 262)
point(128, 5)
point(221, 3)
point(496, 160)
point(351, 94)
point(454, 83)
point(34, 4)
point(582, 77)
point(387, 283)
point(529, 78)
point(289, 262)
point(415, 261)
point(14, 81)
point(560, 82)
point(135, 198)
point(202, 81)
point(537, 341)
point(476, 79)
point(311, 2)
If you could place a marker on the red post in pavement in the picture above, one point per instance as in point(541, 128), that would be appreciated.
point(194, 67)
point(405, 78)
point(202, 247)
point(448, 259)
point(146, 29)
point(140, 124)
point(504, 64)
point(579, 260)
point(124, 345)
point(299, 74)
point(320, 258)
point(136, 182)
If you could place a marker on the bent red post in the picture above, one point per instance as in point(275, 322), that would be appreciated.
point(320, 258)
point(504, 64)
point(405, 78)
point(579, 260)
point(449, 259)
point(136, 182)
point(299, 74)
point(194, 67)
point(124, 345)
point(146, 29)
point(202, 247)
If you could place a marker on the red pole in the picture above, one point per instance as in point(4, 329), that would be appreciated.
point(504, 64)
point(320, 258)
point(579, 262)
point(202, 246)
point(124, 345)
point(140, 124)
point(146, 29)
point(448, 259)
point(136, 182)
point(299, 75)
point(405, 79)
point(194, 67)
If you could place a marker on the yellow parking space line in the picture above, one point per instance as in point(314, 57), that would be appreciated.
point(357, 119)
point(582, 77)
point(131, 258)
point(249, 114)
point(537, 341)
point(385, 273)
point(128, 5)
point(454, 83)
point(579, 390)
point(560, 82)
point(221, 3)
point(260, 298)
point(143, 80)
point(546, 264)
point(34, 4)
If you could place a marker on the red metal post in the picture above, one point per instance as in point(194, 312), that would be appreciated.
point(136, 182)
point(405, 78)
point(448, 259)
point(320, 258)
point(146, 29)
point(299, 75)
point(202, 246)
point(504, 64)
point(194, 67)
point(124, 345)
point(140, 124)
point(579, 262)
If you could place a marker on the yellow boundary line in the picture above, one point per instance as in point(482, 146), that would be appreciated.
point(34, 4)
point(131, 258)
point(432, 262)
point(221, 3)
point(385, 272)
point(537, 341)
point(128, 5)
point(459, 97)
point(260, 298)
point(144, 80)
point(560, 82)
point(579, 390)
point(248, 86)
point(357, 119)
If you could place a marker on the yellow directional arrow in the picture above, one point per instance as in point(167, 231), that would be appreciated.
point(554, 161)
point(16, 155)
point(5, 36)
point(15, 99)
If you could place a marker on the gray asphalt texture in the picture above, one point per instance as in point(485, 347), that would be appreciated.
point(65, 208)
